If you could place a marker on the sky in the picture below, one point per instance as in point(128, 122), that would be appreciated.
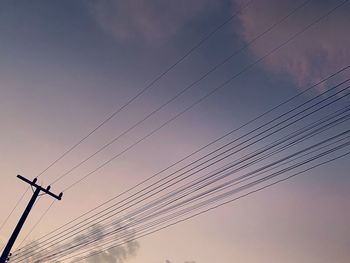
point(65, 66)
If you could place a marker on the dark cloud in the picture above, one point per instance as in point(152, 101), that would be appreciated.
point(114, 255)
point(147, 20)
point(96, 233)
point(321, 50)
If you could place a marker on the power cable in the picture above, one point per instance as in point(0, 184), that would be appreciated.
point(203, 147)
point(172, 66)
point(183, 91)
point(321, 101)
point(210, 93)
point(344, 2)
point(293, 167)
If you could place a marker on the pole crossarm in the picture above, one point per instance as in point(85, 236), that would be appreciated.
point(45, 190)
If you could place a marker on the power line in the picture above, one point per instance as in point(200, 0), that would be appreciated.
point(225, 83)
point(209, 209)
point(147, 87)
point(36, 224)
point(131, 215)
point(182, 58)
point(254, 191)
point(14, 208)
point(183, 91)
point(309, 107)
point(323, 142)
point(207, 165)
point(193, 186)
point(341, 70)
point(307, 160)
point(280, 172)
point(328, 104)
point(202, 148)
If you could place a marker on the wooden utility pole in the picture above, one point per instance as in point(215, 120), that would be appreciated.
point(38, 189)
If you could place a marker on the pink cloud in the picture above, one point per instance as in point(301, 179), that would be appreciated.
point(315, 54)
point(151, 21)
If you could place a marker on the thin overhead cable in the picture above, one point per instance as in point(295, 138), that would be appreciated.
point(202, 148)
point(14, 208)
point(147, 87)
point(261, 180)
point(336, 7)
point(36, 224)
point(302, 111)
point(187, 88)
point(337, 113)
point(311, 147)
point(283, 170)
point(224, 84)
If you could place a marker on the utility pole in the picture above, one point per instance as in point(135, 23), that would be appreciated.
point(38, 189)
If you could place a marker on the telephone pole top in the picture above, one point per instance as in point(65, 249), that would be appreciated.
point(38, 189)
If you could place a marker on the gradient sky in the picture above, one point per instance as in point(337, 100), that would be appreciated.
point(67, 65)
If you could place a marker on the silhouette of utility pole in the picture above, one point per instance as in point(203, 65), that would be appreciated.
point(7, 249)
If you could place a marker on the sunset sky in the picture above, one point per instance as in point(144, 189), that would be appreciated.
point(65, 66)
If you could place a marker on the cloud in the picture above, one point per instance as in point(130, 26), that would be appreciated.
point(115, 255)
point(312, 56)
point(96, 234)
point(150, 21)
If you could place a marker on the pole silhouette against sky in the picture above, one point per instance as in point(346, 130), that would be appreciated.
point(38, 189)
